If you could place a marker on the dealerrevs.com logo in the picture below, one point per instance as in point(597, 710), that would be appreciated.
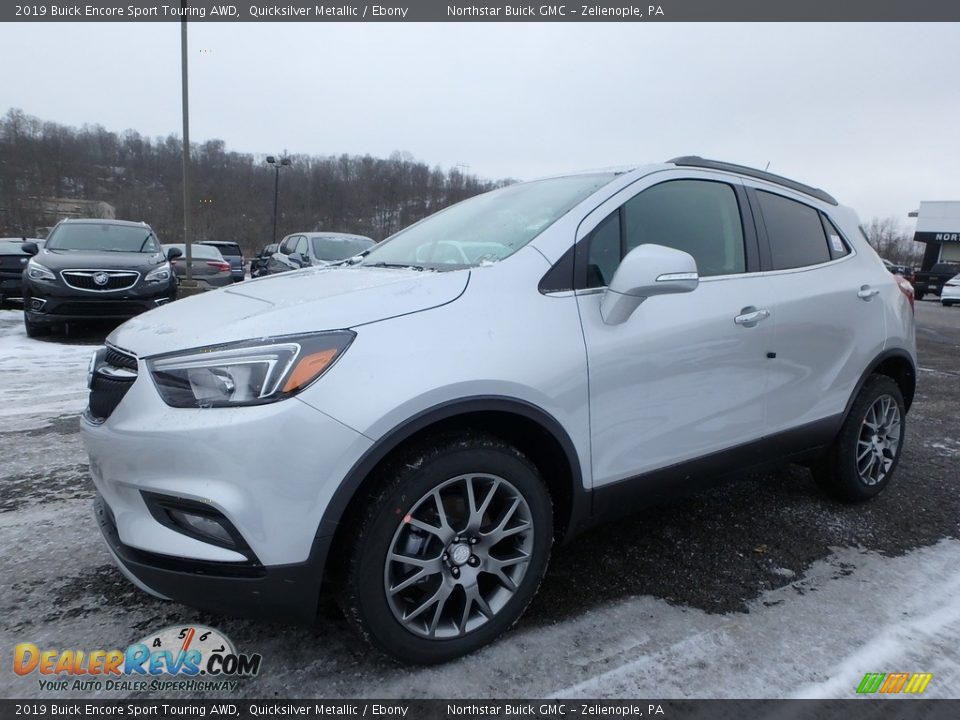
point(192, 657)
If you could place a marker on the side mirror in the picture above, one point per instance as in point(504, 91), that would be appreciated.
point(174, 253)
point(30, 248)
point(646, 271)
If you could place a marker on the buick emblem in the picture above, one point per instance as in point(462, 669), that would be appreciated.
point(101, 278)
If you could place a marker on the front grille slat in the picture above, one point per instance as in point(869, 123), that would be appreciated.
point(87, 279)
point(106, 391)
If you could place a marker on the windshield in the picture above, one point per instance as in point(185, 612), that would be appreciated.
point(104, 238)
point(334, 248)
point(487, 227)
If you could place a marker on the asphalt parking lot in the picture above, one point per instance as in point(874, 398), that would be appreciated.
point(716, 595)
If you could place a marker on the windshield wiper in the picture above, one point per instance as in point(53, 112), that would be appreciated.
point(407, 266)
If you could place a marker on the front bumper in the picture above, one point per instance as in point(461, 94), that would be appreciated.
point(270, 470)
point(59, 303)
point(284, 592)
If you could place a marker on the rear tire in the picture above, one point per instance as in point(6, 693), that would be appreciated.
point(865, 454)
point(464, 510)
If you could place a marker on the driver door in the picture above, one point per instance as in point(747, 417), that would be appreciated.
point(685, 375)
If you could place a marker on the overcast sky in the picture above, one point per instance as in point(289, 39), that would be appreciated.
point(869, 112)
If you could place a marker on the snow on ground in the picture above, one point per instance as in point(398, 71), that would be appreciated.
point(39, 379)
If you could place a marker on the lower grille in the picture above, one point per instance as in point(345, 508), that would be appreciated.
point(111, 380)
point(100, 308)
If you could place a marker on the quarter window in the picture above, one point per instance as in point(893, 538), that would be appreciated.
point(795, 232)
point(700, 217)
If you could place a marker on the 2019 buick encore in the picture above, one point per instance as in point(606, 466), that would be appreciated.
point(494, 378)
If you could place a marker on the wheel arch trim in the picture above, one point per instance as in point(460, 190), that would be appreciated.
point(449, 410)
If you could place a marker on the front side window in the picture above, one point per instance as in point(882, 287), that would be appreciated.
point(795, 232)
point(103, 238)
point(700, 217)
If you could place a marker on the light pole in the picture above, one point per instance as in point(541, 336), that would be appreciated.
point(186, 143)
point(277, 163)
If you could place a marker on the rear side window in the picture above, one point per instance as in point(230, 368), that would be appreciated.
point(226, 250)
point(795, 232)
point(838, 247)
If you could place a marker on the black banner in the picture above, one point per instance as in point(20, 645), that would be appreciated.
point(458, 11)
point(906, 709)
point(937, 237)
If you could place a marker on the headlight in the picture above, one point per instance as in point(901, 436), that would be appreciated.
point(36, 271)
point(159, 274)
point(248, 373)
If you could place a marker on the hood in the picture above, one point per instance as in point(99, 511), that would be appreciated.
point(98, 260)
point(307, 300)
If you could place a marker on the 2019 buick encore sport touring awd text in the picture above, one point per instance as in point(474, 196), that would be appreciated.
point(494, 378)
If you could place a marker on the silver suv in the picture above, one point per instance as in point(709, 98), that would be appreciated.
point(495, 378)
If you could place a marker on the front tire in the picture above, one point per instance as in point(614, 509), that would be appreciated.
point(33, 329)
point(865, 454)
point(449, 551)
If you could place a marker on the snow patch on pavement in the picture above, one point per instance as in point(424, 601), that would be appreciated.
point(41, 378)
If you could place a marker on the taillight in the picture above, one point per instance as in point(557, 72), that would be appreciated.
point(906, 288)
point(221, 266)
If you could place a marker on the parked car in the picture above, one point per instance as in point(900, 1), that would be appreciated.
point(94, 269)
point(316, 249)
point(233, 254)
point(933, 280)
point(13, 261)
point(904, 270)
point(208, 267)
point(950, 292)
point(260, 261)
point(624, 335)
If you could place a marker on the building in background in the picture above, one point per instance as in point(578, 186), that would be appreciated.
point(938, 226)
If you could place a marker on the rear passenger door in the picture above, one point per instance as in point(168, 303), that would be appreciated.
point(827, 319)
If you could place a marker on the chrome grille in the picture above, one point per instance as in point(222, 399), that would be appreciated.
point(100, 280)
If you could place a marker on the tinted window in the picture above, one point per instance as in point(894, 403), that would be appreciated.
point(697, 216)
point(604, 254)
point(838, 246)
point(197, 251)
point(233, 250)
point(795, 232)
point(288, 244)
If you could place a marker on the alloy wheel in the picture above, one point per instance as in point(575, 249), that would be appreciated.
point(879, 440)
point(458, 556)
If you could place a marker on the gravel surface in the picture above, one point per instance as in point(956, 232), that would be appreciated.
point(632, 607)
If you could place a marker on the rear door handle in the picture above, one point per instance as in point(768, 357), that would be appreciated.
point(867, 293)
point(750, 316)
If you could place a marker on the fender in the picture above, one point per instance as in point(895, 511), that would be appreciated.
point(580, 498)
point(899, 353)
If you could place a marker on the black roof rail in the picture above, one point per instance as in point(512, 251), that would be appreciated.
point(697, 161)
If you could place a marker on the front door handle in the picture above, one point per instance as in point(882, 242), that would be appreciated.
point(867, 293)
point(750, 316)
